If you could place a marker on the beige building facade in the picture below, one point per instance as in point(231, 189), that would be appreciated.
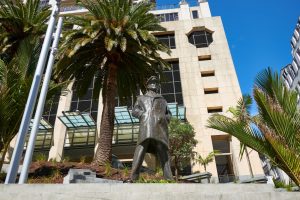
point(202, 81)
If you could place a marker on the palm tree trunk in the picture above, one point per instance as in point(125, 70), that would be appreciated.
point(249, 163)
point(103, 153)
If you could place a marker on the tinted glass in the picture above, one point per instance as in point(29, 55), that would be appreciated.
point(200, 38)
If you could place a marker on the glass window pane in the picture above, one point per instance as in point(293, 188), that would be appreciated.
point(172, 17)
point(195, 14)
point(176, 75)
point(167, 77)
point(88, 95)
point(51, 120)
point(209, 38)
point(167, 15)
point(175, 16)
point(84, 106)
point(95, 105)
point(94, 116)
point(179, 99)
point(54, 107)
point(175, 66)
point(172, 42)
point(73, 106)
point(167, 88)
point(177, 87)
point(169, 98)
point(200, 39)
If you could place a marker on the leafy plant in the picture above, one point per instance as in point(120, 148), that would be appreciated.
point(53, 161)
point(66, 159)
point(159, 172)
point(2, 176)
point(23, 23)
point(82, 159)
point(274, 131)
point(145, 178)
point(182, 143)
point(40, 157)
point(126, 171)
point(108, 169)
point(204, 161)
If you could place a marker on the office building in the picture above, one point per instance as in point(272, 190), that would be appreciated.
point(202, 81)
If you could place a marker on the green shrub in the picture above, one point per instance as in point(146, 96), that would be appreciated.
point(126, 171)
point(40, 157)
point(2, 176)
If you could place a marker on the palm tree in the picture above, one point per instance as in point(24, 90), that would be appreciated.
point(204, 161)
point(15, 83)
point(242, 113)
point(114, 43)
point(21, 23)
point(274, 131)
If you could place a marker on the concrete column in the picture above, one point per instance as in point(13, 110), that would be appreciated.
point(184, 11)
point(99, 117)
point(204, 8)
point(59, 131)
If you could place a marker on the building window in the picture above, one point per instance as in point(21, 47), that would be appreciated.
point(166, 17)
point(195, 14)
point(200, 38)
point(294, 64)
point(221, 143)
point(80, 137)
point(215, 109)
point(169, 40)
point(292, 72)
point(50, 109)
point(129, 102)
point(207, 73)
point(298, 53)
point(211, 90)
point(204, 57)
point(171, 84)
point(86, 103)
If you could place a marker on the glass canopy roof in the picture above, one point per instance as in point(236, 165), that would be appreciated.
point(123, 116)
point(43, 126)
point(77, 119)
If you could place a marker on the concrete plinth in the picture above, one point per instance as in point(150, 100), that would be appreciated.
point(144, 192)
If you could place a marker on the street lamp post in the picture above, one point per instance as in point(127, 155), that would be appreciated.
point(41, 104)
point(14, 165)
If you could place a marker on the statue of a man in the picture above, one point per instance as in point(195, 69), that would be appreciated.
point(152, 111)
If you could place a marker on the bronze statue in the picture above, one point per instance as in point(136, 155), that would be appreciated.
point(152, 111)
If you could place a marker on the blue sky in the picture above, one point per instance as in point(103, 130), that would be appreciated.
point(258, 33)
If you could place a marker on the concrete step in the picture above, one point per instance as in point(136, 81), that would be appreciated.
point(144, 192)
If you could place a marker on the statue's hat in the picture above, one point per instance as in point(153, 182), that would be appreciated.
point(152, 80)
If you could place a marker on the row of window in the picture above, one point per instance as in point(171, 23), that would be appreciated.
point(170, 89)
point(166, 17)
point(199, 39)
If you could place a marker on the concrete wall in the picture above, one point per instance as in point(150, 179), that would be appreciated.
point(144, 191)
